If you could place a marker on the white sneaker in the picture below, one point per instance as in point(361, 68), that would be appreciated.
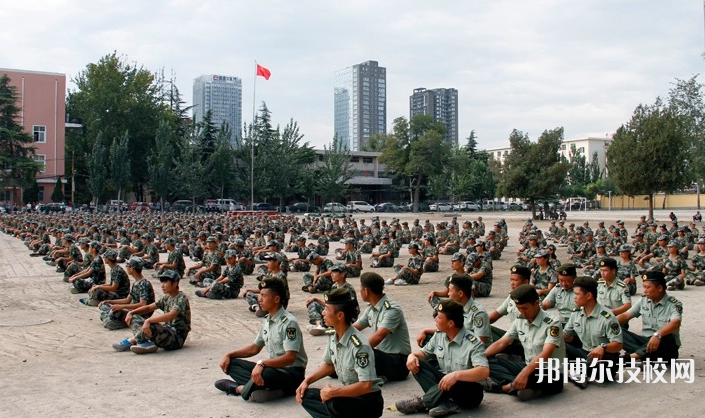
point(401, 282)
point(316, 330)
point(389, 281)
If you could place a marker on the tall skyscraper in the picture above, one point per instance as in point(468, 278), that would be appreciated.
point(442, 104)
point(222, 95)
point(360, 103)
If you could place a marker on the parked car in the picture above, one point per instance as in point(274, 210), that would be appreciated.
point(387, 207)
point(54, 207)
point(141, 207)
point(334, 207)
point(440, 207)
point(182, 206)
point(303, 207)
point(467, 206)
point(514, 206)
point(360, 206)
point(264, 206)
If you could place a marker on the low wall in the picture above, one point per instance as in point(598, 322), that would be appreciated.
point(661, 201)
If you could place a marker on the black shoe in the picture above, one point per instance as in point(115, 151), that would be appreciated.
point(228, 386)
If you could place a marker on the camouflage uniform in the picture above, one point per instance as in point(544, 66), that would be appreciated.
point(141, 290)
point(97, 276)
point(323, 283)
point(119, 276)
point(428, 264)
point(626, 271)
point(388, 261)
point(673, 267)
point(170, 335)
point(352, 257)
point(315, 309)
point(416, 263)
point(541, 279)
point(228, 290)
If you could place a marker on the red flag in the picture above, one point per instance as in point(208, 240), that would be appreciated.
point(263, 72)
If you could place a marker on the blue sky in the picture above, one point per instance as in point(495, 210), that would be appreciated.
point(529, 65)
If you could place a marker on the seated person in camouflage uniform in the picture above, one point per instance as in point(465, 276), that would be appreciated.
point(451, 244)
point(384, 256)
point(245, 259)
point(543, 277)
point(118, 288)
point(228, 285)
point(367, 241)
point(594, 327)
point(674, 267)
point(453, 384)
point(541, 337)
point(274, 271)
point(591, 266)
point(696, 274)
point(457, 262)
point(349, 355)
point(301, 263)
point(321, 281)
point(77, 265)
point(284, 368)
point(661, 317)
point(390, 338)
point(352, 258)
point(315, 306)
point(627, 271)
point(411, 272)
point(209, 268)
point(113, 312)
point(149, 252)
point(480, 273)
point(73, 254)
point(322, 245)
point(429, 253)
point(174, 261)
point(167, 330)
point(93, 274)
point(134, 247)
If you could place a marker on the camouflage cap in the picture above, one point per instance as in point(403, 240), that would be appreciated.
point(472, 258)
point(230, 253)
point(349, 241)
point(312, 256)
point(672, 243)
point(135, 262)
point(663, 237)
point(272, 243)
point(211, 239)
point(68, 237)
point(273, 257)
point(567, 269)
point(458, 257)
point(170, 241)
point(339, 267)
point(239, 242)
point(110, 255)
point(170, 275)
point(701, 241)
point(625, 247)
point(414, 245)
point(599, 244)
point(83, 240)
point(300, 238)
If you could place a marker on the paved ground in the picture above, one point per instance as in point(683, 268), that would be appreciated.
point(65, 366)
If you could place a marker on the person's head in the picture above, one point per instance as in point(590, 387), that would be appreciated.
point(231, 257)
point(169, 280)
point(460, 288)
point(349, 244)
point(600, 247)
point(110, 256)
point(541, 258)
point(585, 291)
point(371, 285)
point(519, 275)
point(566, 275)
point(608, 269)
point(94, 248)
point(341, 307)
point(211, 243)
point(672, 247)
point(339, 272)
point(134, 265)
point(449, 315)
point(457, 261)
point(526, 299)
point(272, 294)
point(654, 284)
point(413, 248)
point(273, 261)
point(170, 243)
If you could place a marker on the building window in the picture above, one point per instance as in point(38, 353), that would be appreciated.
point(367, 160)
point(40, 194)
point(40, 133)
point(562, 147)
point(41, 159)
point(354, 159)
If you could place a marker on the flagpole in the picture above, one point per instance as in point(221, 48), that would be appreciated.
point(252, 143)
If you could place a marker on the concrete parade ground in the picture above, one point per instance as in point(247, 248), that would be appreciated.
point(56, 358)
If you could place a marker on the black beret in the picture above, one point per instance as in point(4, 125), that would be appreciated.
point(450, 308)
point(338, 297)
point(609, 262)
point(523, 271)
point(567, 269)
point(275, 285)
point(524, 293)
point(654, 276)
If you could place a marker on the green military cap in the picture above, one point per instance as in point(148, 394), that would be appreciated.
point(599, 244)
point(450, 308)
point(272, 256)
point(170, 275)
point(609, 263)
point(312, 256)
point(338, 297)
point(148, 237)
point(414, 245)
point(654, 276)
point(83, 240)
point(68, 237)
point(170, 241)
point(339, 267)
point(300, 238)
point(110, 255)
point(524, 293)
point(522, 271)
point(96, 245)
point(567, 269)
point(211, 239)
point(230, 253)
point(586, 282)
point(672, 243)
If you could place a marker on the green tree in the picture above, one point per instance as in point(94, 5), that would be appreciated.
point(113, 96)
point(120, 164)
point(98, 169)
point(468, 172)
point(332, 176)
point(533, 170)
point(190, 172)
point(161, 162)
point(416, 150)
point(219, 165)
point(17, 166)
point(648, 152)
point(58, 194)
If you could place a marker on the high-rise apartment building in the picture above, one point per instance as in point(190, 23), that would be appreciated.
point(441, 104)
point(360, 103)
point(222, 95)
